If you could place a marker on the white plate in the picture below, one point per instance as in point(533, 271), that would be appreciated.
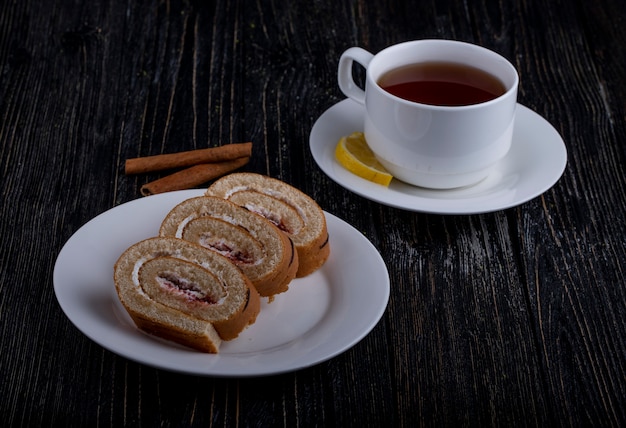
point(535, 162)
point(321, 315)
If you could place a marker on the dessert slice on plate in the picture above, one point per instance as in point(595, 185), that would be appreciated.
point(291, 210)
point(182, 292)
point(263, 253)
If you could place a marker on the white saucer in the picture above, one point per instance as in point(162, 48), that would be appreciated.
point(535, 162)
point(319, 317)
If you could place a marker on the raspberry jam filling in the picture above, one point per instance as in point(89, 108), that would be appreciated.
point(236, 255)
point(190, 290)
point(271, 217)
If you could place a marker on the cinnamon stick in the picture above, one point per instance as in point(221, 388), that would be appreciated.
point(227, 152)
point(192, 176)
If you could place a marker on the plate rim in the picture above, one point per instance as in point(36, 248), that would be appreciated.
point(321, 151)
point(220, 367)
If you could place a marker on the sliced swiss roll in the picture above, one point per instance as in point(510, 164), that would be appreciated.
point(263, 253)
point(182, 292)
point(294, 212)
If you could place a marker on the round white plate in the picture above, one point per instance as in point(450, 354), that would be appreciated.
point(321, 316)
point(535, 162)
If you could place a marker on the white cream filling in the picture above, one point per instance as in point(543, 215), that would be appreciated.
point(182, 224)
point(269, 192)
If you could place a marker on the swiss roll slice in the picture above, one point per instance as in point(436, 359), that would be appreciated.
point(182, 292)
point(291, 210)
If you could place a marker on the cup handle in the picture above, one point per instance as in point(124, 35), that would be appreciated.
point(344, 72)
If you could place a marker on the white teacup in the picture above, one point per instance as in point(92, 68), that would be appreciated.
point(429, 145)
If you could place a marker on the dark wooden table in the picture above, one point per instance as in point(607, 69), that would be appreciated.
point(514, 317)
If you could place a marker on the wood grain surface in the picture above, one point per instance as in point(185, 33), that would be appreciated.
point(510, 318)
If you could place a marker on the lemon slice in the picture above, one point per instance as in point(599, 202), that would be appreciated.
point(353, 153)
